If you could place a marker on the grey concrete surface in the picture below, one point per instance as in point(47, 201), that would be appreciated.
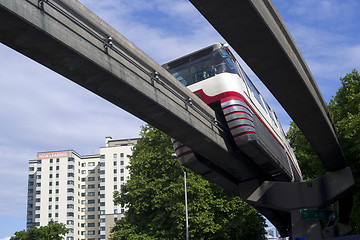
point(49, 38)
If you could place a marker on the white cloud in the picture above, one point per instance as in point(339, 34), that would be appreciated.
point(5, 238)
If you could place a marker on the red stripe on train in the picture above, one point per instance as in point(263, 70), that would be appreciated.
point(185, 153)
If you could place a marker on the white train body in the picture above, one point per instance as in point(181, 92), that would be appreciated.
point(215, 76)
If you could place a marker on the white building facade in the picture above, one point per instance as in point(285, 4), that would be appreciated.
point(78, 190)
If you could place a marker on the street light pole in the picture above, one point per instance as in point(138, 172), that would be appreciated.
point(186, 207)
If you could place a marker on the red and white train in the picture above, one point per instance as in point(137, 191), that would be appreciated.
point(215, 76)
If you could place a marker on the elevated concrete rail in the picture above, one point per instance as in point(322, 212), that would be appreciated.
point(69, 39)
point(256, 31)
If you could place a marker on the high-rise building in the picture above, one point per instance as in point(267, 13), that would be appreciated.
point(78, 190)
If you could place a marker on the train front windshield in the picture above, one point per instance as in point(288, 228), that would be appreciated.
point(195, 70)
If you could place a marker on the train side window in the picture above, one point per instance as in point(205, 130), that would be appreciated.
point(253, 89)
point(223, 62)
point(271, 112)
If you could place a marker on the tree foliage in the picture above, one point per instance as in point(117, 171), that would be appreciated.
point(309, 162)
point(154, 196)
point(55, 231)
point(344, 108)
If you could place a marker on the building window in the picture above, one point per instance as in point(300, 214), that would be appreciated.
point(56, 214)
point(70, 198)
point(122, 170)
point(70, 182)
point(115, 170)
point(91, 209)
point(57, 183)
point(102, 156)
point(91, 216)
point(50, 207)
point(38, 161)
point(83, 171)
point(57, 175)
point(121, 162)
point(38, 169)
point(90, 194)
point(57, 191)
point(91, 171)
point(70, 174)
point(50, 215)
point(91, 186)
point(91, 201)
point(121, 155)
point(115, 163)
point(91, 232)
point(91, 178)
point(57, 168)
point(38, 192)
point(70, 214)
point(115, 187)
point(83, 165)
point(50, 175)
point(91, 224)
point(50, 183)
point(122, 179)
point(31, 168)
point(115, 179)
point(115, 155)
point(56, 199)
point(38, 184)
point(51, 160)
point(38, 177)
point(70, 190)
point(70, 166)
point(57, 160)
point(70, 159)
point(102, 164)
point(91, 164)
point(37, 208)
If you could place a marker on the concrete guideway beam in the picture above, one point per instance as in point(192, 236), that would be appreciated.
point(333, 187)
point(257, 33)
point(316, 193)
point(40, 32)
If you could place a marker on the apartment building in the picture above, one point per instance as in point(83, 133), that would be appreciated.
point(78, 190)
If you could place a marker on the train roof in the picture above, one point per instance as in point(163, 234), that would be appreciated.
point(192, 55)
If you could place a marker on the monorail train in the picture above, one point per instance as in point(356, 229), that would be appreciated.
point(215, 76)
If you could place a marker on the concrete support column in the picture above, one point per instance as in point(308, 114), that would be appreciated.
point(310, 229)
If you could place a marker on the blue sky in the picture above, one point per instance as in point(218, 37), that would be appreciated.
point(42, 111)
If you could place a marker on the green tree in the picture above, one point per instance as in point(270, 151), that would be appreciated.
point(53, 230)
point(154, 196)
point(309, 162)
point(344, 108)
